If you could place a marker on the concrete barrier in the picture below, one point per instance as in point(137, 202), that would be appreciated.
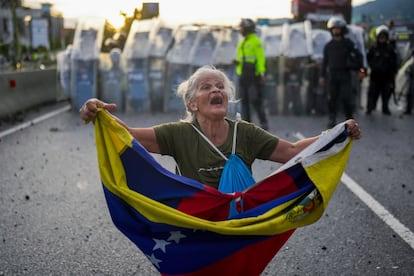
point(26, 89)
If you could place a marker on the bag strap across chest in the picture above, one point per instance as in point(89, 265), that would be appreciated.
point(233, 149)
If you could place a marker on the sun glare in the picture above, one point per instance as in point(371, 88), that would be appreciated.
point(224, 11)
point(117, 21)
point(176, 10)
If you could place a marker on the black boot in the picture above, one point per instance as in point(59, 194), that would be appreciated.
point(386, 112)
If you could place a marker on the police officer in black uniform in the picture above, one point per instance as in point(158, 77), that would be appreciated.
point(340, 56)
point(382, 60)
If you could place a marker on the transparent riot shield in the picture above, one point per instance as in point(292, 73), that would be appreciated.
point(224, 59)
point(296, 49)
point(135, 63)
point(403, 37)
point(85, 60)
point(161, 39)
point(403, 83)
point(319, 39)
point(178, 65)
point(225, 54)
point(112, 79)
point(63, 72)
point(204, 47)
point(297, 39)
point(356, 34)
point(272, 37)
point(316, 95)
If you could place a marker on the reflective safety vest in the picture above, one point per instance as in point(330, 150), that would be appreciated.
point(250, 50)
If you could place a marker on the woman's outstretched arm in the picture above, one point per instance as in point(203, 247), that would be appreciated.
point(285, 150)
point(146, 136)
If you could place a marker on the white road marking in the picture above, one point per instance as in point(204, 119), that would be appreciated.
point(35, 121)
point(376, 207)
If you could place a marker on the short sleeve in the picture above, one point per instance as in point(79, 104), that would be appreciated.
point(259, 143)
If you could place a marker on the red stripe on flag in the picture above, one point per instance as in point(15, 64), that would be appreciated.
point(276, 186)
point(251, 260)
point(207, 204)
point(212, 205)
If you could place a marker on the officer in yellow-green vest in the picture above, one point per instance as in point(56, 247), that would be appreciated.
point(251, 67)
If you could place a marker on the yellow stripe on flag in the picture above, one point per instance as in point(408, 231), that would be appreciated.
point(326, 174)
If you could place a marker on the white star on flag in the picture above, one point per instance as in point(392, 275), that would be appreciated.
point(154, 260)
point(176, 236)
point(160, 244)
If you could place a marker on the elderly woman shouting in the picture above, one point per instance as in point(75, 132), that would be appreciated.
point(204, 141)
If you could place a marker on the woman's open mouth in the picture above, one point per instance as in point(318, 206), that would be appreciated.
point(216, 100)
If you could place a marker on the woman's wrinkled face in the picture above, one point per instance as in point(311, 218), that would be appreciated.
point(211, 100)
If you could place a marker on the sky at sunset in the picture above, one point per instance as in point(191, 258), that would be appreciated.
point(219, 11)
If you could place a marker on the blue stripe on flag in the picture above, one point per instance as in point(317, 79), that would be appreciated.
point(145, 176)
point(263, 208)
point(298, 173)
point(339, 139)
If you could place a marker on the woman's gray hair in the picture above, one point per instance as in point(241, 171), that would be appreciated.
point(188, 88)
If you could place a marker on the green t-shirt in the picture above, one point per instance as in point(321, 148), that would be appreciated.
point(197, 159)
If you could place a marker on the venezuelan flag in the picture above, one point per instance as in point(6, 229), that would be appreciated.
point(182, 226)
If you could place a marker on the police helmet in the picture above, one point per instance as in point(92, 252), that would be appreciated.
point(382, 30)
point(247, 25)
point(336, 22)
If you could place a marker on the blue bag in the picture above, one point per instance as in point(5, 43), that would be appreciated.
point(236, 176)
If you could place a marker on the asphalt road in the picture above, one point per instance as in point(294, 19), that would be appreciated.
point(54, 219)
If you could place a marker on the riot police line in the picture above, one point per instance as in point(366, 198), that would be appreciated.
point(158, 56)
